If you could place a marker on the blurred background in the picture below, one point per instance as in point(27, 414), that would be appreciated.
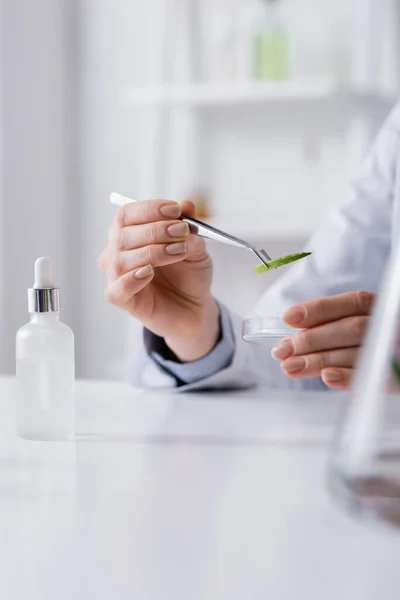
point(260, 111)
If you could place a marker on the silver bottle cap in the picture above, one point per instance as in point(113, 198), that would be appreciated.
point(44, 300)
point(44, 297)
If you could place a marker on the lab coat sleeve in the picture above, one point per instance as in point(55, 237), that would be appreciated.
point(348, 253)
point(214, 362)
point(176, 374)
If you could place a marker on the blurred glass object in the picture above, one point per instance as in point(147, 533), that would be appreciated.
point(268, 330)
point(272, 44)
point(220, 41)
point(364, 472)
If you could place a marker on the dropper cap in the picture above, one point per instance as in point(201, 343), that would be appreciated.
point(44, 297)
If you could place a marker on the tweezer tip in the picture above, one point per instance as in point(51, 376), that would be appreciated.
point(262, 256)
point(265, 255)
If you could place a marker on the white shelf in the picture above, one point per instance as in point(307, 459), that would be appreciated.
point(261, 230)
point(236, 94)
point(225, 94)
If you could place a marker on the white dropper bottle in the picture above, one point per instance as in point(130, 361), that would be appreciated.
point(45, 364)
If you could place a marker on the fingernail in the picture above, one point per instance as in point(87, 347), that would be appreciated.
point(294, 365)
point(178, 230)
point(284, 350)
point(177, 248)
point(333, 376)
point(172, 211)
point(295, 315)
point(144, 272)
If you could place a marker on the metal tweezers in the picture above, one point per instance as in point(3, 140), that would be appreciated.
point(206, 231)
point(212, 233)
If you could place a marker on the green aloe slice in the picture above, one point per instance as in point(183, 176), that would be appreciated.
point(280, 262)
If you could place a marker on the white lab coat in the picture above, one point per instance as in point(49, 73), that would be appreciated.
point(349, 253)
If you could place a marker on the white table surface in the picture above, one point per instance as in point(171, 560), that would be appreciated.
point(198, 497)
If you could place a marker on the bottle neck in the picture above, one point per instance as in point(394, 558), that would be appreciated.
point(272, 10)
point(49, 317)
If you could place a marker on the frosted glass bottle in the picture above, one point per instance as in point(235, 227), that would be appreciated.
point(45, 365)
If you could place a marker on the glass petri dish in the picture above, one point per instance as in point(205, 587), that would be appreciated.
point(266, 329)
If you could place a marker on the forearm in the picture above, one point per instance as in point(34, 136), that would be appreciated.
point(204, 337)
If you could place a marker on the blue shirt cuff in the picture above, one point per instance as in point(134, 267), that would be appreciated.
point(218, 359)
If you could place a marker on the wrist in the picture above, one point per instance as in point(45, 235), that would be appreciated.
point(202, 339)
